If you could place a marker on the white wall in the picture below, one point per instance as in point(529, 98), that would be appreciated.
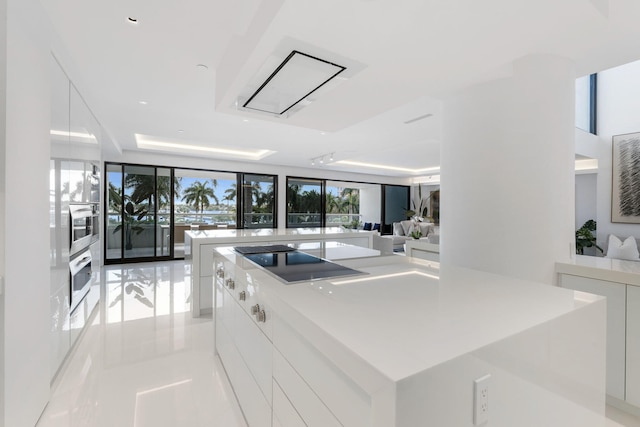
point(586, 198)
point(257, 167)
point(618, 106)
point(508, 172)
point(3, 149)
point(26, 213)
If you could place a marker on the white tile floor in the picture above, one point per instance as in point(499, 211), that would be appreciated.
point(145, 362)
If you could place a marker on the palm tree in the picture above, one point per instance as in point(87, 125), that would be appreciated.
point(198, 195)
point(352, 198)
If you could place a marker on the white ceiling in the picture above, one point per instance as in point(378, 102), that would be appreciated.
point(411, 54)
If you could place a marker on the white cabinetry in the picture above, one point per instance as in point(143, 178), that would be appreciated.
point(616, 319)
point(244, 348)
point(633, 345)
point(75, 155)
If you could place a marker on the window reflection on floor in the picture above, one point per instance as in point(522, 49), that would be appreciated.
point(140, 291)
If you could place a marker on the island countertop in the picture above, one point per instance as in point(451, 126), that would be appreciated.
point(406, 315)
point(403, 343)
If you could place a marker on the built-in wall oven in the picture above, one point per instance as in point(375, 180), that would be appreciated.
point(80, 269)
point(84, 231)
point(84, 225)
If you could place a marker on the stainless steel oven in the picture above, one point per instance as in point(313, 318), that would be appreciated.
point(80, 271)
point(84, 225)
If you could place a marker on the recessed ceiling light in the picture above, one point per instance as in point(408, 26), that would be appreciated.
point(143, 102)
point(132, 20)
point(202, 67)
point(180, 130)
point(245, 120)
point(393, 168)
point(323, 133)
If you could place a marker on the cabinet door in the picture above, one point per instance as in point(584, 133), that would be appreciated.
point(616, 330)
point(633, 345)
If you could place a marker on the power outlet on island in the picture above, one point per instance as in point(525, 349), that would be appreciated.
point(481, 400)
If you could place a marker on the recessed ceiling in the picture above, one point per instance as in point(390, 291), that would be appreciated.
point(408, 54)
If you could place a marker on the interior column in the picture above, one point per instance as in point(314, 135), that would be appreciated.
point(507, 180)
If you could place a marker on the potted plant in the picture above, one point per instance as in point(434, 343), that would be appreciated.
point(585, 237)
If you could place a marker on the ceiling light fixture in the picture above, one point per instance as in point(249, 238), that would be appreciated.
point(320, 159)
point(151, 143)
point(297, 77)
point(202, 67)
point(385, 167)
point(142, 102)
point(180, 130)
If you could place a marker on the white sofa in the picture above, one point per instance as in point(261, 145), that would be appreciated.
point(395, 242)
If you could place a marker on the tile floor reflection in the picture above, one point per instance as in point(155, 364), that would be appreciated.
point(144, 361)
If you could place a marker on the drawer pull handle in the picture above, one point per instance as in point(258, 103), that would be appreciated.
point(231, 284)
point(255, 309)
point(261, 316)
point(242, 296)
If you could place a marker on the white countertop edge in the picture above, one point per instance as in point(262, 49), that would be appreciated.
point(607, 269)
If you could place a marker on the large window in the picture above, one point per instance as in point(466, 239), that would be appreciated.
point(205, 200)
point(259, 201)
point(304, 202)
point(396, 204)
point(149, 208)
point(586, 103)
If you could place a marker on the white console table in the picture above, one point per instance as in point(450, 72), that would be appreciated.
point(619, 281)
point(200, 244)
point(422, 248)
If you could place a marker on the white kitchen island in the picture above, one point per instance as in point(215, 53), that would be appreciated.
point(402, 344)
point(199, 246)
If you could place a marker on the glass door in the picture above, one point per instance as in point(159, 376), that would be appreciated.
point(258, 201)
point(203, 200)
point(139, 205)
point(304, 202)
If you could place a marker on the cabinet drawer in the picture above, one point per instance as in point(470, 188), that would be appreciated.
point(284, 414)
point(255, 349)
point(298, 395)
point(343, 397)
point(254, 405)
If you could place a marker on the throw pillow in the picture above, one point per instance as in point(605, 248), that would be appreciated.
point(367, 226)
point(397, 229)
point(406, 226)
point(623, 250)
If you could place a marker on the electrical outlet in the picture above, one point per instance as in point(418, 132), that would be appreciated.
point(481, 400)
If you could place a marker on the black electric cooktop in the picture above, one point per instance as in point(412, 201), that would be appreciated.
point(295, 266)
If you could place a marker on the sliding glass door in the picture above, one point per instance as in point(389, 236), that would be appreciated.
point(138, 218)
point(259, 201)
point(304, 202)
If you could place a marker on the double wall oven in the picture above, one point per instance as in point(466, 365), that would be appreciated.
point(85, 229)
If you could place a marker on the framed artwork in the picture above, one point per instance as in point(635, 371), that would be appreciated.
point(625, 183)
